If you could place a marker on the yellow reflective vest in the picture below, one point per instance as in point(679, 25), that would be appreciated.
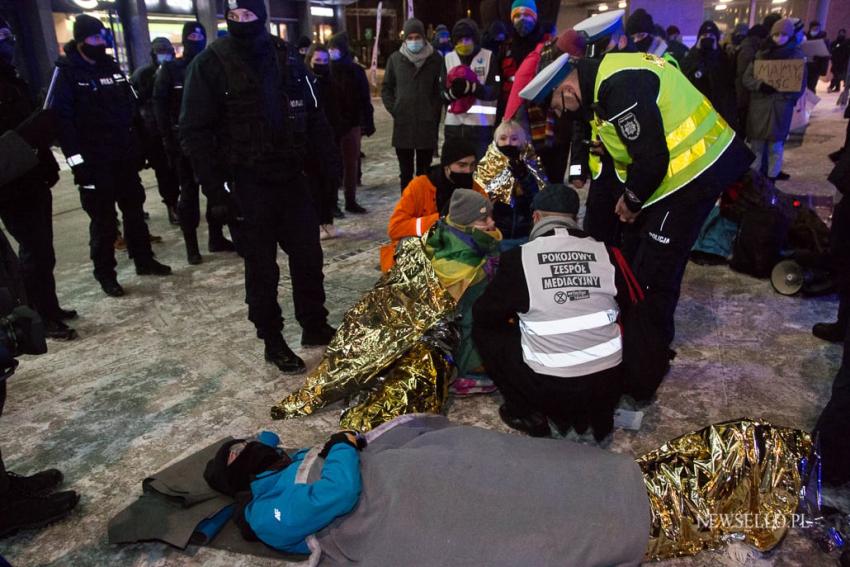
point(696, 134)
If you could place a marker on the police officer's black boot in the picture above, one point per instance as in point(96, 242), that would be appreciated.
point(193, 254)
point(150, 267)
point(217, 241)
point(173, 217)
point(278, 353)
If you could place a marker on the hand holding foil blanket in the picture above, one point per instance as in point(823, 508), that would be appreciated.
point(493, 173)
point(387, 322)
point(732, 481)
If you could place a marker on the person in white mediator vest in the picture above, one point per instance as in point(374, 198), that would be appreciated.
point(469, 80)
point(547, 325)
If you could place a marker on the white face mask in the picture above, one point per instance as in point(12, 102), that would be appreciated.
point(334, 54)
point(415, 45)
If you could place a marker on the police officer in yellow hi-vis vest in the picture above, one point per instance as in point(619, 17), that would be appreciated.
point(674, 152)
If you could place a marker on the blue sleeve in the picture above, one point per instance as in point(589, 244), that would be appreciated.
point(284, 520)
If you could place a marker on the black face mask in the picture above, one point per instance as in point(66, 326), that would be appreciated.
point(706, 44)
point(321, 70)
point(461, 180)
point(245, 30)
point(511, 152)
point(96, 53)
point(644, 44)
point(192, 48)
point(7, 51)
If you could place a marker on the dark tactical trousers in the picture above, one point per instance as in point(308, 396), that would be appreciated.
point(278, 211)
point(30, 222)
point(118, 183)
point(600, 221)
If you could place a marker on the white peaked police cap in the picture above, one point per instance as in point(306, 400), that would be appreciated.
point(546, 80)
point(598, 26)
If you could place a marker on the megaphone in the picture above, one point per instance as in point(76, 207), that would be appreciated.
point(788, 277)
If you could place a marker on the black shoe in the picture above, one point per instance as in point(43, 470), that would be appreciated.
point(218, 243)
point(533, 424)
point(832, 332)
point(836, 155)
point(193, 255)
point(151, 267)
point(55, 329)
point(319, 336)
point(355, 208)
point(338, 214)
point(36, 484)
point(24, 512)
point(112, 288)
point(147, 215)
point(173, 217)
point(66, 314)
point(783, 176)
point(278, 353)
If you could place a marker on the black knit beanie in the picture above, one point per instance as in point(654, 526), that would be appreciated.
point(193, 27)
point(455, 149)
point(640, 22)
point(466, 28)
point(709, 27)
point(256, 6)
point(86, 26)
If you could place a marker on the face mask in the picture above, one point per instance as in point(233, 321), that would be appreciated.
point(94, 52)
point(334, 54)
point(464, 49)
point(7, 51)
point(163, 57)
point(321, 69)
point(461, 180)
point(192, 48)
point(644, 44)
point(706, 44)
point(511, 152)
point(523, 26)
point(245, 29)
point(414, 45)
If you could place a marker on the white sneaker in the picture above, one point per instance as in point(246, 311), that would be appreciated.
point(327, 232)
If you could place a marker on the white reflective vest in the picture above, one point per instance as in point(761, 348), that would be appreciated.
point(482, 112)
point(570, 328)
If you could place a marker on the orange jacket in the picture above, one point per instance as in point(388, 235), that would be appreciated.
point(414, 214)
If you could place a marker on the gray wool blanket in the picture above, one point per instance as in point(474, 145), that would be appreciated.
point(435, 493)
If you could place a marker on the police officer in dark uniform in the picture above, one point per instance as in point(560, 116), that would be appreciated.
point(94, 108)
point(143, 81)
point(167, 98)
point(26, 204)
point(249, 118)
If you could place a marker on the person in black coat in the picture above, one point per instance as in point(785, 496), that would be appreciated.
point(710, 70)
point(95, 107)
point(26, 204)
point(840, 50)
point(143, 80)
point(167, 99)
point(356, 114)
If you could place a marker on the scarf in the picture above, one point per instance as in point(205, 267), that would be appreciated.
point(548, 224)
point(417, 59)
point(462, 256)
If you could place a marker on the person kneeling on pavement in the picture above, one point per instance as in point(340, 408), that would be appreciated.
point(426, 198)
point(546, 327)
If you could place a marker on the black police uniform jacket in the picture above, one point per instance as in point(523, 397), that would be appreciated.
point(94, 106)
point(16, 105)
point(239, 110)
point(167, 99)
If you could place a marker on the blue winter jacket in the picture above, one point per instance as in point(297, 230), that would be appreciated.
point(283, 513)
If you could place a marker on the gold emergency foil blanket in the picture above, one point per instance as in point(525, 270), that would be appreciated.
point(733, 481)
point(417, 383)
point(387, 322)
point(494, 176)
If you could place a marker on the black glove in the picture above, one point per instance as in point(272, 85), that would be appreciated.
point(24, 331)
point(519, 169)
point(343, 437)
point(83, 175)
point(461, 88)
point(764, 88)
point(369, 129)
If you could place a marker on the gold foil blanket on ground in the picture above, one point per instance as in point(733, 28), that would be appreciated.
point(494, 176)
point(386, 323)
point(733, 481)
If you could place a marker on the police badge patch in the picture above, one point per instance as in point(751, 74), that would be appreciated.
point(629, 126)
